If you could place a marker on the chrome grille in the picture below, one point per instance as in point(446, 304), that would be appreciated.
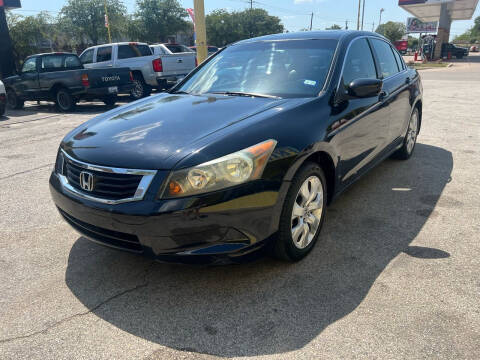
point(109, 185)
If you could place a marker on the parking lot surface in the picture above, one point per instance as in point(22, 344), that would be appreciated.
point(396, 276)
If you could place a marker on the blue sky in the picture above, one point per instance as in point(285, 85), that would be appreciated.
point(293, 13)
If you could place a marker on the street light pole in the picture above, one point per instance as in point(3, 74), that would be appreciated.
point(380, 21)
point(363, 13)
point(358, 15)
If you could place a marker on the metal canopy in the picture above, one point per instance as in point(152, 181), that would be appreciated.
point(429, 10)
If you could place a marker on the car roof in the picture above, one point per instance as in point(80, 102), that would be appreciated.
point(51, 53)
point(313, 35)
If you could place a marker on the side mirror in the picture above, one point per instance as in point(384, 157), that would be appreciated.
point(363, 88)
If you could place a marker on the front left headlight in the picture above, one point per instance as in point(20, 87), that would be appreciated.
point(230, 170)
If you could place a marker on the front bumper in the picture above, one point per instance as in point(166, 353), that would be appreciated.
point(225, 225)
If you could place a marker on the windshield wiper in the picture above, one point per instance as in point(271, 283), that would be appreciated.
point(239, 93)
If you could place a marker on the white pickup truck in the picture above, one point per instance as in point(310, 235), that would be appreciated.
point(149, 71)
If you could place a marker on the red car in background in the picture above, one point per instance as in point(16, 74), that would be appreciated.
point(401, 46)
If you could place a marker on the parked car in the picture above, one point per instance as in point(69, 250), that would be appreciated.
point(401, 46)
point(454, 51)
point(247, 151)
point(474, 48)
point(60, 77)
point(175, 57)
point(3, 99)
point(149, 71)
point(210, 49)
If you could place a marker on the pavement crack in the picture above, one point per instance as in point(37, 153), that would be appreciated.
point(26, 171)
point(99, 305)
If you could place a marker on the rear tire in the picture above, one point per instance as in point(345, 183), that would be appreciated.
point(140, 89)
point(110, 100)
point(13, 101)
point(406, 151)
point(303, 214)
point(64, 100)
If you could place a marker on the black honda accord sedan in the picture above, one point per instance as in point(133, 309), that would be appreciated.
point(246, 151)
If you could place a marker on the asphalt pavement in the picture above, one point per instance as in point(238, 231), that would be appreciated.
point(396, 275)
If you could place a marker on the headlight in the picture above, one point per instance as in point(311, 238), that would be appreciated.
point(240, 167)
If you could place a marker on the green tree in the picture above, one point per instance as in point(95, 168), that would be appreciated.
point(334, 27)
point(28, 33)
point(224, 27)
point(392, 30)
point(412, 42)
point(154, 20)
point(85, 20)
point(471, 35)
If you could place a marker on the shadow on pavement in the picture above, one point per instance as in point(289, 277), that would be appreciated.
point(269, 307)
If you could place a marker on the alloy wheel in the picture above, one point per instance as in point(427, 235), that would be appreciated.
point(307, 212)
point(412, 131)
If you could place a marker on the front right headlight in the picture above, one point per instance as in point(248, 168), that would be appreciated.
point(230, 170)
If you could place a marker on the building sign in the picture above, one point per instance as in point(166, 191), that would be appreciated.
point(425, 2)
point(417, 26)
point(10, 4)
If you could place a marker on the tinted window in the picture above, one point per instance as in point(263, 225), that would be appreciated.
point(30, 65)
point(87, 57)
point(52, 62)
point(400, 64)
point(178, 48)
point(104, 53)
point(71, 61)
point(359, 62)
point(280, 68)
point(212, 49)
point(388, 64)
point(133, 50)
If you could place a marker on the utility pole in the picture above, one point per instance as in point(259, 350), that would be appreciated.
point(373, 26)
point(107, 22)
point(311, 21)
point(358, 14)
point(363, 13)
point(346, 24)
point(251, 4)
point(201, 41)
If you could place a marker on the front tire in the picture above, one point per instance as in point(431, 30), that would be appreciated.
point(64, 100)
point(303, 214)
point(406, 151)
point(13, 101)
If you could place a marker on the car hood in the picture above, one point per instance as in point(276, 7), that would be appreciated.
point(152, 133)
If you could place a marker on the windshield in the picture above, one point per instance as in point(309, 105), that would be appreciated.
point(293, 68)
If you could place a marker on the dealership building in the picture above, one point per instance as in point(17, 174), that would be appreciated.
point(442, 11)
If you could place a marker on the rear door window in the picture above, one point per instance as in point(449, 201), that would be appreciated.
point(104, 53)
point(359, 63)
point(133, 50)
point(388, 64)
point(87, 57)
point(400, 63)
point(72, 62)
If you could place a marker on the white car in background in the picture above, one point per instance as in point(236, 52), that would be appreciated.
point(3, 99)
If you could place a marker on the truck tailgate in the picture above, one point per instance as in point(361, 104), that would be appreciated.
point(180, 63)
point(107, 77)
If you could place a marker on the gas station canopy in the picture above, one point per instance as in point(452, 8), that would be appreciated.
point(429, 10)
